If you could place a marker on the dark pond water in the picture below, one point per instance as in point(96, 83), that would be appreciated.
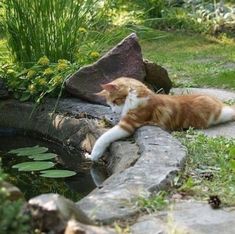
point(31, 184)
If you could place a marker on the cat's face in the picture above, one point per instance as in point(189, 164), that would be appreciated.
point(117, 91)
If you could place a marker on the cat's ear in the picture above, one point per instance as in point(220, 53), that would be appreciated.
point(109, 87)
point(102, 93)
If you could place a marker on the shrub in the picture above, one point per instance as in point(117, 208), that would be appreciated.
point(12, 220)
point(177, 19)
point(218, 14)
point(43, 78)
point(55, 28)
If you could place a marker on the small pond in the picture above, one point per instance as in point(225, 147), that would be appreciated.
point(32, 184)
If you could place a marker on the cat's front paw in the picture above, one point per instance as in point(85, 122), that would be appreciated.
point(93, 156)
point(87, 156)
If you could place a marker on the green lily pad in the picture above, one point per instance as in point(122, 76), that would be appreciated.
point(57, 173)
point(29, 151)
point(33, 166)
point(41, 157)
point(15, 151)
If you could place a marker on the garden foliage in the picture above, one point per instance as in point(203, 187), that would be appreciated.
point(12, 220)
point(55, 28)
point(43, 78)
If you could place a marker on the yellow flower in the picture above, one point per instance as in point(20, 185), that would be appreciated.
point(82, 30)
point(62, 66)
point(57, 80)
point(30, 74)
point(44, 61)
point(48, 71)
point(94, 54)
point(63, 61)
point(42, 81)
point(32, 88)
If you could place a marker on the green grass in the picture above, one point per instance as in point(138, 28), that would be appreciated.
point(154, 203)
point(209, 168)
point(55, 28)
point(4, 52)
point(193, 60)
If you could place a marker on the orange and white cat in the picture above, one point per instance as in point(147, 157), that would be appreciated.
point(139, 106)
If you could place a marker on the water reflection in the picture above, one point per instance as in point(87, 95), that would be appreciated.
point(31, 184)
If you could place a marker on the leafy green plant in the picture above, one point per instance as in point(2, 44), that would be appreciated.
point(39, 154)
point(154, 203)
point(12, 219)
point(55, 28)
point(43, 78)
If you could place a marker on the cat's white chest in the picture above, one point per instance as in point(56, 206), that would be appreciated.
point(133, 101)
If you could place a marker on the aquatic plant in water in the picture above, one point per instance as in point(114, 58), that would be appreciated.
point(39, 155)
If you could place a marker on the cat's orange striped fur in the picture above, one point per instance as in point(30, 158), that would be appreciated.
point(139, 106)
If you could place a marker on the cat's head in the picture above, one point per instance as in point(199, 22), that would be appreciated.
point(117, 91)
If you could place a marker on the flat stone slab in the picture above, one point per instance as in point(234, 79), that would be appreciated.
point(223, 95)
point(227, 129)
point(161, 157)
point(188, 217)
point(124, 155)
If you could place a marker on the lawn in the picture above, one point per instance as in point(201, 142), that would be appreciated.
point(193, 60)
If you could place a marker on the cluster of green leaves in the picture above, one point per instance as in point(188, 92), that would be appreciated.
point(12, 220)
point(56, 28)
point(154, 203)
point(210, 166)
point(40, 163)
point(43, 78)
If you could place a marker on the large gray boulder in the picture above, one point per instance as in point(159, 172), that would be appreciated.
point(125, 59)
point(157, 77)
point(51, 212)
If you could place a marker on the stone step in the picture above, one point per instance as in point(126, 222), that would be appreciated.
point(187, 217)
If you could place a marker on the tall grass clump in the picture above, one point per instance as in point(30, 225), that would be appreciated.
point(55, 28)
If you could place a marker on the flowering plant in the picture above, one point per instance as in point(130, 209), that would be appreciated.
point(43, 78)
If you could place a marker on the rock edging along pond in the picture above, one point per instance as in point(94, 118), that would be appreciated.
point(154, 157)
